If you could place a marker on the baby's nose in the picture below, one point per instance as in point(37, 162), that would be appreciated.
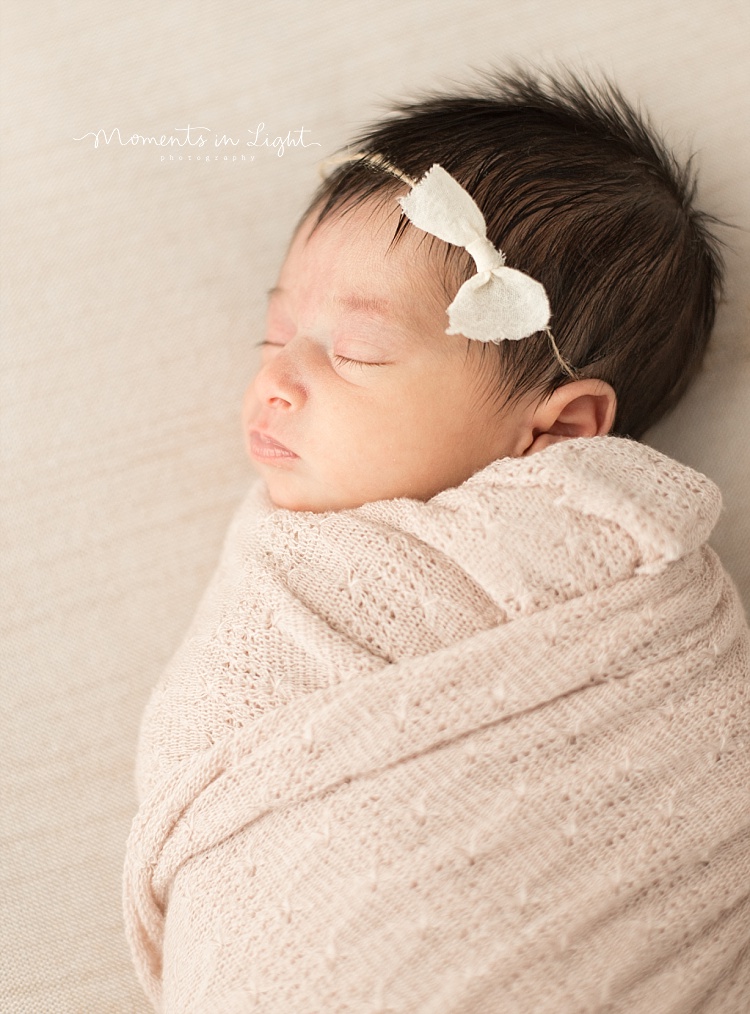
point(278, 385)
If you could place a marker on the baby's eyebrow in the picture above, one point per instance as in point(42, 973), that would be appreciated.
point(358, 303)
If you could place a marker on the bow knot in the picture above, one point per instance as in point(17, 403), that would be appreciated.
point(485, 255)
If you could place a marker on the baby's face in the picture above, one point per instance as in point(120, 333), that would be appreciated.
point(359, 380)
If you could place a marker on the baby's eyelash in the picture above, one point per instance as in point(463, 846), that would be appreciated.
point(340, 360)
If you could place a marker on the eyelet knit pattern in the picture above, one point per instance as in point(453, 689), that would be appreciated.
point(488, 753)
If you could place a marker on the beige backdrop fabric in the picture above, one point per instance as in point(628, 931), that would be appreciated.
point(133, 291)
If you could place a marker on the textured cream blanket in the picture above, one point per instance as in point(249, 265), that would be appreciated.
point(485, 754)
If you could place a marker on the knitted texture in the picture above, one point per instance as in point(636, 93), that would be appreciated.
point(485, 753)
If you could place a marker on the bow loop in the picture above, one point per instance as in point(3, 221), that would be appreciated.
point(438, 204)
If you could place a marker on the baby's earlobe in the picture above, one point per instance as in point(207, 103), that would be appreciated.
point(544, 440)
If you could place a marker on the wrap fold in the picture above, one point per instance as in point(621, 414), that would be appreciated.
point(484, 753)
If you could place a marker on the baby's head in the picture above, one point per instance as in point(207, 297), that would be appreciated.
point(359, 379)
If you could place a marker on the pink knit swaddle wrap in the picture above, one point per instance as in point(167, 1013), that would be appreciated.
point(485, 753)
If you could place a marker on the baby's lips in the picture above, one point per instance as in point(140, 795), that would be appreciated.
point(262, 440)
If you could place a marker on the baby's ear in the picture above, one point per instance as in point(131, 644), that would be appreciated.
point(582, 408)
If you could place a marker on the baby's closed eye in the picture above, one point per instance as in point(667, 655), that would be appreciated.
point(345, 361)
point(338, 359)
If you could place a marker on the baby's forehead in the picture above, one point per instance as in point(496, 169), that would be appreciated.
point(361, 288)
point(371, 256)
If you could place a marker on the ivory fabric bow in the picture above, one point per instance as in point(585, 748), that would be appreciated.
point(497, 303)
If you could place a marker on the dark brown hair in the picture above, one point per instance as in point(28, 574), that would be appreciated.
point(580, 193)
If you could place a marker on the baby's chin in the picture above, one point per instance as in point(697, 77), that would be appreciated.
point(287, 493)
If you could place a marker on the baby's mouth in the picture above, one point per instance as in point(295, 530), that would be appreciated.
point(266, 448)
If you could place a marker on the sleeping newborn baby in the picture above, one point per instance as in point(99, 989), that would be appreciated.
point(461, 721)
point(363, 395)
